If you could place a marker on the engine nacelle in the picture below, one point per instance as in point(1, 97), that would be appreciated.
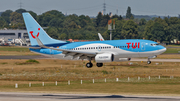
point(102, 58)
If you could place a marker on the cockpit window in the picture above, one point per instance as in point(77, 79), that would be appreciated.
point(154, 44)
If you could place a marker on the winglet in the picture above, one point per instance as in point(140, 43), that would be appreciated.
point(100, 37)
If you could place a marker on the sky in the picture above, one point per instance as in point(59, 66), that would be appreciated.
point(92, 7)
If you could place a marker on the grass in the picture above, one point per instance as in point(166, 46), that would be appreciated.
point(162, 86)
point(30, 61)
point(14, 51)
point(172, 50)
point(23, 71)
point(14, 48)
point(49, 71)
point(168, 56)
point(173, 45)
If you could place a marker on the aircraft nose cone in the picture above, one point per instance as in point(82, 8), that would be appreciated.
point(162, 50)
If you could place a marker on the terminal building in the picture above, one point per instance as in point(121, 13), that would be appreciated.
point(17, 37)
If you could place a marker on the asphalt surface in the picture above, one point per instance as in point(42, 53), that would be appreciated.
point(156, 60)
point(46, 57)
point(14, 96)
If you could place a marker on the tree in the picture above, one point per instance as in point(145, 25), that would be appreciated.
point(53, 32)
point(46, 17)
point(16, 18)
point(130, 30)
point(84, 20)
point(55, 22)
point(33, 14)
point(158, 33)
point(115, 16)
point(98, 19)
point(2, 22)
point(6, 15)
point(20, 11)
point(104, 20)
point(129, 15)
point(148, 28)
point(174, 29)
point(63, 36)
point(120, 17)
point(142, 22)
point(118, 31)
point(73, 25)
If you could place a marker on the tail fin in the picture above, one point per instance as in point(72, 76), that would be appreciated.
point(100, 37)
point(34, 29)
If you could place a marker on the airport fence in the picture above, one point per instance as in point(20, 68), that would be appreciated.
point(139, 79)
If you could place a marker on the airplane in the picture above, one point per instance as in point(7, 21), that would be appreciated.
point(100, 51)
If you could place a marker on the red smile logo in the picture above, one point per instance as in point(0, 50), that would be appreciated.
point(33, 35)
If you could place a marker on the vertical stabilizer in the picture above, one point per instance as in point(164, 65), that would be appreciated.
point(34, 29)
point(100, 37)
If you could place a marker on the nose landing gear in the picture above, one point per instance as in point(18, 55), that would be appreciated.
point(149, 62)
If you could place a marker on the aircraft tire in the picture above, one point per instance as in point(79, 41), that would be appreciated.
point(89, 65)
point(99, 64)
point(149, 62)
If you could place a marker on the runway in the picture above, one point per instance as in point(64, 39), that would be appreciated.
point(46, 57)
point(156, 60)
point(13, 96)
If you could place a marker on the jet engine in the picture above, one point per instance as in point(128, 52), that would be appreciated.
point(102, 58)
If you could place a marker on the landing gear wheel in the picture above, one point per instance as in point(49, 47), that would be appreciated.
point(89, 65)
point(99, 64)
point(149, 62)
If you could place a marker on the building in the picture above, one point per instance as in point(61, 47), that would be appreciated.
point(15, 36)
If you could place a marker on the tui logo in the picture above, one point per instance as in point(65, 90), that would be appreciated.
point(31, 32)
point(133, 46)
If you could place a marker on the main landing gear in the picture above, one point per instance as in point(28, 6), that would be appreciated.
point(89, 65)
point(99, 64)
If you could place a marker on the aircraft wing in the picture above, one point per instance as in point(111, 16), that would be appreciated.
point(73, 53)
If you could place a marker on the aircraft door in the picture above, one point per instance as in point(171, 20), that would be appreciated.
point(99, 48)
point(143, 46)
